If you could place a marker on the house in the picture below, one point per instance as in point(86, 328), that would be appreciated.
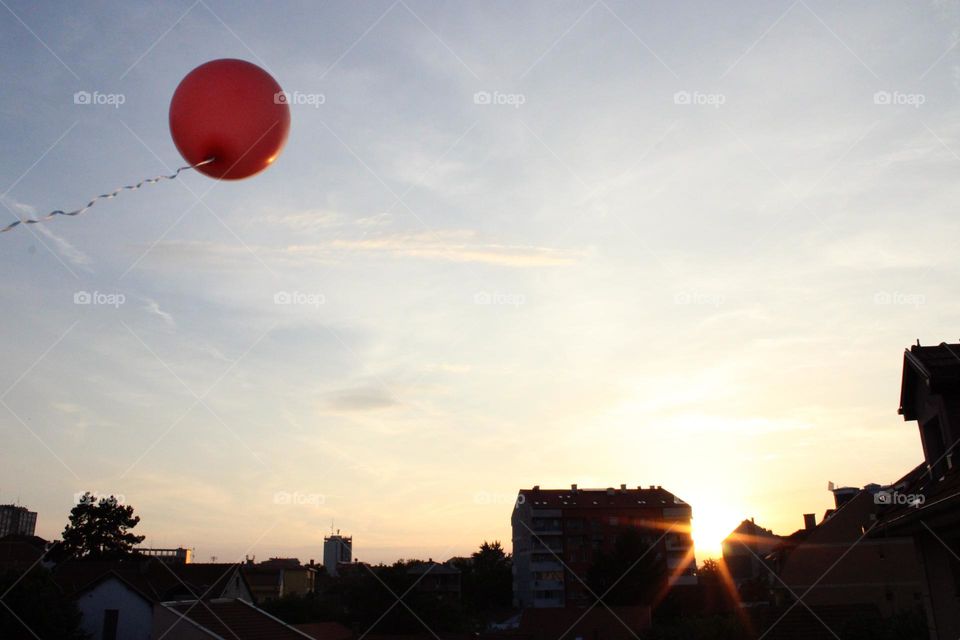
point(441, 580)
point(744, 550)
point(558, 532)
point(295, 578)
point(835, 563)
point(120, 598)
point(144, 599)
point(325, 630)
point(220, 618)
point(924, 505)
point(616, 623)
point(18, 552)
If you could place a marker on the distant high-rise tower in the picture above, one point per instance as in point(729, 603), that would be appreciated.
point(17, 521)
point(337, 550)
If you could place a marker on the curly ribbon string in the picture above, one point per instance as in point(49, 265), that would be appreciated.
point(105, 196)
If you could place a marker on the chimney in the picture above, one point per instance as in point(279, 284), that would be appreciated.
point(536, 487)
point(573, 488)
point(809, 521)
point(609, 491)
point(623, 487)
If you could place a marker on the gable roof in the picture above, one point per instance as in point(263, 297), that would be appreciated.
point(150, 577)
point(325, 630)
point(938, 368)
point(234, 620)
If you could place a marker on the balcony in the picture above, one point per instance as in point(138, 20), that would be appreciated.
point(546, 565)
point(552, 601)
point(548, 585)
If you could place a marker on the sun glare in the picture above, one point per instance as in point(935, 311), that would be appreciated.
point(710, 525)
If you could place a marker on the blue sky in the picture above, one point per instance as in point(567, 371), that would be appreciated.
point(679, 244)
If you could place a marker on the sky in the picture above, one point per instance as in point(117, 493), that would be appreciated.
point(507, 244)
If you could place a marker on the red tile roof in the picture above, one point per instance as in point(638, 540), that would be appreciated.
point(235, 620)
point(599, 622)
point(559, 498)
point(325, 630)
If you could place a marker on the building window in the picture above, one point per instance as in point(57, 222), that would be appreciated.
point(111, 618)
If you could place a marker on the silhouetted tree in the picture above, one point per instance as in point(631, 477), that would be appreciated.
point(633, 572)
point(486, 579)
point(100, 529)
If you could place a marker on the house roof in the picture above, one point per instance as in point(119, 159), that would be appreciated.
point(571, 623)
point(262, 577)
point(150, 577)
point(937, 367)
point(232, 619)
point(940, 501)
point(433, 568)
point(18, 551)
point(325, 630)
point(600, 498)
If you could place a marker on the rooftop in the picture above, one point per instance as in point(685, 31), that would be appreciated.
point(653, 496)
point(235, 619)
point(937, 367)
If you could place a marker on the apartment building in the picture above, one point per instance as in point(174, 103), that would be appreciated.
point(557, 533)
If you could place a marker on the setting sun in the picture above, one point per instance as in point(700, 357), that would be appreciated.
point(710, 525)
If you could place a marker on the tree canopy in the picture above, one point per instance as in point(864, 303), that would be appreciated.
point(100, 529)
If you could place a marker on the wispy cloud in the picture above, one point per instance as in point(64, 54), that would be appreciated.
point(364, 398)
point(73, 255)
point(153, 307)
point(448, 246)
point(453, 246)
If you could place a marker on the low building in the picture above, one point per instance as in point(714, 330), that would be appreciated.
point(278, 577)
point(744, 551)
point(438, 579)
point(557, 533)
point(19, 553)
point(17, 521)
point(220, 618)
point(924, 505)
point(834, 562)
point(168, 556)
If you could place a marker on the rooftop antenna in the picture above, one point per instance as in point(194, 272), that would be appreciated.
point(918, 342)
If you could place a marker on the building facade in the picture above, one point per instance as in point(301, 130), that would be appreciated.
point(337, 550)
point(168, 556)
point(17, 521)
point(557, 533)
point(744, 551)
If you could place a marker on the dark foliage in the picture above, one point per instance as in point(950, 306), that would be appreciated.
point(100, 529)
point(36, 608)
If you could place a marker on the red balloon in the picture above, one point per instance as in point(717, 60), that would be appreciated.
point(232, 111)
